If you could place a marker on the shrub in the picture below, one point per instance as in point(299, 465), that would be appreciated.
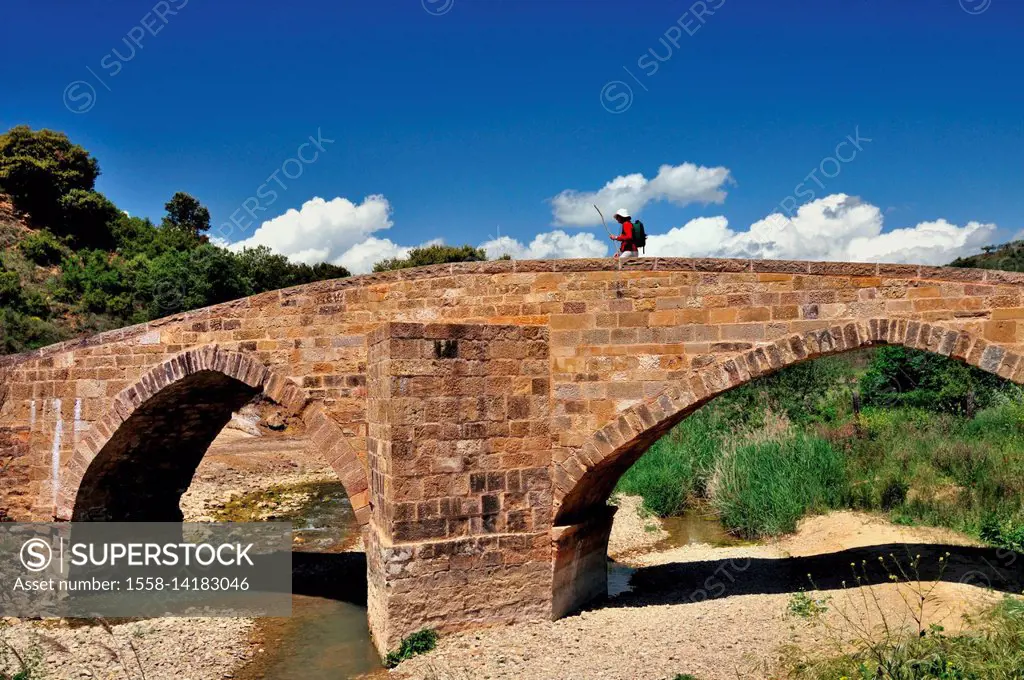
point(420, 642)
point(43, 248)
point(894, 494)
point(435, 254)
point(19, 332)
point(806, 607)
point(899, 376)
point(1002, 533)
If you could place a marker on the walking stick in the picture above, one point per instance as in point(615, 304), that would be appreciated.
point(603, 221)
point(618, 282)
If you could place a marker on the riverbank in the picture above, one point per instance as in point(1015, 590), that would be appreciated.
point(716, 613)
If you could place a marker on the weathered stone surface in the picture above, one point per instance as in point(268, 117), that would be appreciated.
point(473, 411)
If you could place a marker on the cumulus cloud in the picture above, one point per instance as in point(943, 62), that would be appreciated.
point(550, 245)
point(321, 230)
point(360, 258)
point(678, 184)
point(837, 227)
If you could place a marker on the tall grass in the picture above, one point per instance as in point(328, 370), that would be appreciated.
point(764, 488)
point(674, 471)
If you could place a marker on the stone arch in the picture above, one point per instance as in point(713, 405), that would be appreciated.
point(129, 466)
point(585, 478)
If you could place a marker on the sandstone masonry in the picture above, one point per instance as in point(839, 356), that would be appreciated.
point(478, 414)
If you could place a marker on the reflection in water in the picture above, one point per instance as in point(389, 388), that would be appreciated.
point(689, 528)
point(324, 639)
point(327, 636)
point(693, 527)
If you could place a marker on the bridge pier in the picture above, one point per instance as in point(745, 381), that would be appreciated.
point(459, 455)
point(580, 563)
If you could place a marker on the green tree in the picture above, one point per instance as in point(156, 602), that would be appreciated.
point(435, 254)
point(187, 214)
point(178, 281)
point(1007, 257)
point(38, 168)
point(321, 271)
point(899, 376)
point(264, 270)
point(99, 282)
point(87, 217)
point(140, 237)
point(52, 180)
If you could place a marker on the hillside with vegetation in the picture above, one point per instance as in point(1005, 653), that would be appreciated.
point(73, 264)
point(1007, 257)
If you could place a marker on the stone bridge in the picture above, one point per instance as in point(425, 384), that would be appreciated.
point(478, 414)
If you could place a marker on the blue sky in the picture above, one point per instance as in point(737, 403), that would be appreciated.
point(466, 117)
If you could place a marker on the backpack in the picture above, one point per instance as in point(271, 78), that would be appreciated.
point(639, 234)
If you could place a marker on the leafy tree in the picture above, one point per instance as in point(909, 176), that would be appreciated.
point(87, 216)
point(38, 168)
point(899, 376)
point(264, 270)
point(1007, 257)
point(435, 254)
point(114, 269)
point(187, 214)
point(53, 181)
point(136, 236)
point(98, 282)
point(321, 271)
point(177, 281)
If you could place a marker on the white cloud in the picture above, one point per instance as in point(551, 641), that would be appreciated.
point(679, 184)
point(360, 258)
point(321, 231)
point(837, 227)
point(549, 245)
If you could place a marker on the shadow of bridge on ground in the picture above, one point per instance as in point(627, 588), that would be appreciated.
point(689, 582)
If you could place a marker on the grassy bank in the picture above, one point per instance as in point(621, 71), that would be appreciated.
point(945, 448)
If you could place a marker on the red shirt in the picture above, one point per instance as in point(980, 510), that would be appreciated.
point(627, 236)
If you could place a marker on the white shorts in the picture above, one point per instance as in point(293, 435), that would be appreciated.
point(625, 255)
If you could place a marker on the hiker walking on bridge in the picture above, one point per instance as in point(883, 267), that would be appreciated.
point(628, 246)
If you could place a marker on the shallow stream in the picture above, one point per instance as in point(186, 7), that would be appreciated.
point(327, 637)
